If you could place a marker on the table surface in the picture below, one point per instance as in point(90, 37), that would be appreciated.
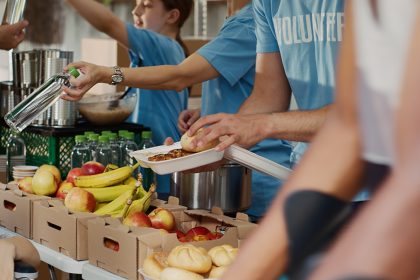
point(65, 263)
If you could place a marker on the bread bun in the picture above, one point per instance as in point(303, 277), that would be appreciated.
point(190, 258)
point(217, 271)
point(223, 255)
point(172, 273)
point(186, 142)
point(154, 264)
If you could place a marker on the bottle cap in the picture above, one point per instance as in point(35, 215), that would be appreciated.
point(129, 135)
point(122, 132)
point(93, 137)
point(103, 139)
point(87, 133)
point(112, 136)
point(80, 138)
point(74, 72)
point(146, 134)
point(106, 132)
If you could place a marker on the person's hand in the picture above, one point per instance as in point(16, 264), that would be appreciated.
point(7, 257)
point(168, 141)
point(244, 130)
point(187, 118)
point(92, 75)
point(12, 34)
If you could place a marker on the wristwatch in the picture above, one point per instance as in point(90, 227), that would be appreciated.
point(117, 77)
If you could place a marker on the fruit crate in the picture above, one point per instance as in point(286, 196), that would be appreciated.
point(52, 145)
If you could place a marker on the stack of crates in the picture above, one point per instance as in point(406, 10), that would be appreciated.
point(50, 145)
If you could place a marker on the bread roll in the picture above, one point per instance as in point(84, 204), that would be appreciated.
point(217, 271)
point(186, 142)
point(223, 255)
point(154, 264)
point(172, 273)
point(190, 258)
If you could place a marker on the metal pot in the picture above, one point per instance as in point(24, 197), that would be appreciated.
point(228, 187)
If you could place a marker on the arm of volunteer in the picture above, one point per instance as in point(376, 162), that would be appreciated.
point(389, 248)
point(24, 251)
point(102, 19)
point(337, 176)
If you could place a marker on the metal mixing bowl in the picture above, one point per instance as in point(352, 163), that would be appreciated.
point(107, 109)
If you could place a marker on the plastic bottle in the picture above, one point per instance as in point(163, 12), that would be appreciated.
point(149, 176)
point(15, 154)
point(115, 149)
point(92, 144)
point(103, 151)
point(39, 100)
point(128, 147)
point(80, 153)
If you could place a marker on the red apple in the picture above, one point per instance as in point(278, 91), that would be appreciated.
point(185, 239)
point(200, 237)
point(214, 235)
point(111, 244)
point(197, 231)
point(79, 200)
point(162, 219)
point(179, 234)
point(53, 170)
point(63, 189)
point(137, 219)
point(92, 168)
point(25, 184)
point(73, 174)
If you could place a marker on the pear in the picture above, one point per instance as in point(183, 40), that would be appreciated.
point(44, 183)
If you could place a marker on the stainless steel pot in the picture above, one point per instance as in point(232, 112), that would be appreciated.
point(228, 187)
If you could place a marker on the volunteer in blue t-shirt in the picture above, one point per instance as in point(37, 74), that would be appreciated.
point(154, 39)
point(227, 65)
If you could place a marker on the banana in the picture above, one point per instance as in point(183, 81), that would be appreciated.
point(109, 193)
point(130, 181)
point(106, 179)
point(100, 205)
point(115, 205)
point(143, 203)
point(110, 167)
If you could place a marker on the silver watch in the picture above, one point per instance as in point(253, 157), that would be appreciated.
point(117, 77)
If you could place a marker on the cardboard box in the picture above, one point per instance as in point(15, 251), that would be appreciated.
point(125, 261)
point(59, 229)
point(16, 209)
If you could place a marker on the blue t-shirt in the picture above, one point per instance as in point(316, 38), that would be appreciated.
point(232, 53)
point(157, 109)
point(307, 33)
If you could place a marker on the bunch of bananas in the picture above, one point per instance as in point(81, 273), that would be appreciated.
point(112, 177)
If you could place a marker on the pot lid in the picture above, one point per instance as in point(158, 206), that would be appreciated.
point(256, 162)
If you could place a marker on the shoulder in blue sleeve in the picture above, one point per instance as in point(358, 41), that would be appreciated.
point(232, 53)
point(266, 39)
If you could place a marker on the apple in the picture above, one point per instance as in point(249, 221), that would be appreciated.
point(197, 231)
point(25, 184)
point(54, 171)
point(162, 219)
point(111, 244)
point(63, 189)
point(44, 183)
point(200, 237)
point(214, 235)
point(79, 200)
point(184, 239)
point(92, 168)
point(137, 219)
point(75, 172)
point(179, 234)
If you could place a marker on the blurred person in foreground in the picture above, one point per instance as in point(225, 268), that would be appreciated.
point(16, 249)
point(370, 138)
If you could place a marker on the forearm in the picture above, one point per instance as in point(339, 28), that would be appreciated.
point(192, 70)
point(25, 251)
point(96, 14)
